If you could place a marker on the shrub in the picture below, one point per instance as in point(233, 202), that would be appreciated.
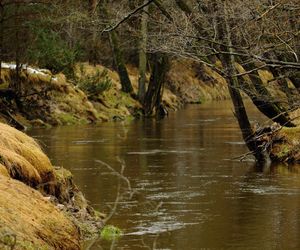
point(94, 84)
point(50, 51)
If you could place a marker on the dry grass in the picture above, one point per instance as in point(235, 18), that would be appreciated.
point(19, 168)
point(194, 83)
point(36, 223)
point(287, 146)
point(24, 212)
point(23, 159)
point(3, 170)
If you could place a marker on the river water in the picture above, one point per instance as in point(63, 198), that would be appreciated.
point(187, 190)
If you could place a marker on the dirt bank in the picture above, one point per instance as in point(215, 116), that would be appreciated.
point(41, 207)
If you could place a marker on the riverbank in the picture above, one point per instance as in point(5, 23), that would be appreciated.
point(53, 100)
point(41, 207)
point(94, 95)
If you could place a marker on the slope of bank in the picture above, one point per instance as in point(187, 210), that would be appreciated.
point(41, 207)
point(47, 99)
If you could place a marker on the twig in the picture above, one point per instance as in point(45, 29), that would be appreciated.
point(118, 195)
point(116, 25)
point(267, 11)
point(243, 156)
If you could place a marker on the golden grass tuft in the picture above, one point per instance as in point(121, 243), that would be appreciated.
point(24, 159)
point(3, 170)
point(18, 135)
point(19, 168)
point(25, 146)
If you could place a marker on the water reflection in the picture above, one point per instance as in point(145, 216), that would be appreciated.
point(189, 192)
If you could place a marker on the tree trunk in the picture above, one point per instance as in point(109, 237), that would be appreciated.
point(1, 37)
point(228, 61)
point(118, 55)
point(93, 33)
point(16, 82)
point(120, 64)
point(263, 100)
point(143, 55)
point(154, 92)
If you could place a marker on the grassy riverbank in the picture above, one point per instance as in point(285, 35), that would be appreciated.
point(41, 207)
point(94, 94)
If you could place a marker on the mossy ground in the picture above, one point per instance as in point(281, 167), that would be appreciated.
point(287, 145)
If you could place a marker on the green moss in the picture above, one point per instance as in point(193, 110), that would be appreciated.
point(26, 245)
point(4, 85)
point(66, 119)
point(62, 174)
point(284, 151)
point(8, 239)
point(111, 233)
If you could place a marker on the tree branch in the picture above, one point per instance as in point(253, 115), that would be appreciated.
point(116, 25)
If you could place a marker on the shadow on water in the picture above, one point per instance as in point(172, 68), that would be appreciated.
point(189, 192)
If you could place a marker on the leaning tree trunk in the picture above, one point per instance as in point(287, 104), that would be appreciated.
point(153, 97)
point(228, 61)
point(263, 100)
point(279, 75)
point(120, 64)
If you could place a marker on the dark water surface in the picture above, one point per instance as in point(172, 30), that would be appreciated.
point(189, 192)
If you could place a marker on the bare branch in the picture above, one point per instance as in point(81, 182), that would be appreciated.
point(116, 25)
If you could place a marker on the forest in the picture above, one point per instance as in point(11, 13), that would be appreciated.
point(128, 85)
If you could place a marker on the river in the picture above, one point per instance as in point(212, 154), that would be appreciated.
point(187, 188)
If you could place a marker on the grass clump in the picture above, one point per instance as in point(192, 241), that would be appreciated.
point(110, 233)
point(3, 170)
point(23, 158)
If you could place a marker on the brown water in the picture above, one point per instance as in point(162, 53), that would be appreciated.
point(189, 191)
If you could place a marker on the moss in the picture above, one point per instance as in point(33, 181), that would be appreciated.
point(66, 119)
point(284, 151)
point(287, 145)
point(7, 238)
point(110, 233)
point(27, 245)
